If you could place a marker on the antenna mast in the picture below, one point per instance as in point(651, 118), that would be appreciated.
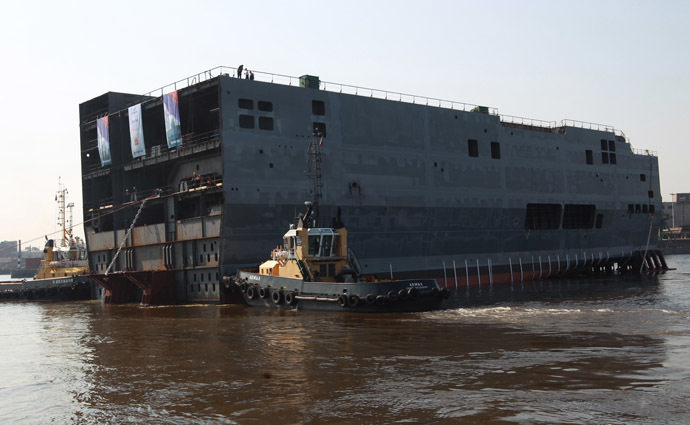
point(315, 153)
point(62, 222)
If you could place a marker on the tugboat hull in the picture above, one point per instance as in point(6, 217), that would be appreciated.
point(366, 297)
point(70, 288)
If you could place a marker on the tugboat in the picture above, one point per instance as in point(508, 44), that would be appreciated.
point(64, 268)
point(315, 270)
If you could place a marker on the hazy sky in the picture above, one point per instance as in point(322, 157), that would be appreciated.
point(621, 63)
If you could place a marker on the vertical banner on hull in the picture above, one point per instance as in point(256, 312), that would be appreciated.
point(103, 141)
point(136, 131)
point(171, 111)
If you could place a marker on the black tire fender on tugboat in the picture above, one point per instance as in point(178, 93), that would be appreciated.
point(252, 292)
point(381, 300)
point(290, 298)
point(392, 296)
point(342, 300)
point(402, 294)
point(434, 291)
point(412, 292)
point(277, 296)
point(353, 301)
point(444, 293)
point(264, 292)
point(243, 287)
point(371, 299)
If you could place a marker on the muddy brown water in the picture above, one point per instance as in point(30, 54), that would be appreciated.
point(591, 351)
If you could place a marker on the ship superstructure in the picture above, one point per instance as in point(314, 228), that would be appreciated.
point(429, 188)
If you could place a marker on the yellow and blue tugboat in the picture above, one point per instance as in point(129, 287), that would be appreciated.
point(315, 270)
point(64, 268)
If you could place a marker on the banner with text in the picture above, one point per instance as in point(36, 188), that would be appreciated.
point(171, 110)
point(136, 131)
point(103, 141)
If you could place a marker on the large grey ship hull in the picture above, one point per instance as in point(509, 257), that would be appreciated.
point(426, 191)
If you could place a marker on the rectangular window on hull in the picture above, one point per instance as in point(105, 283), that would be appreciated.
point(266, 123)
point(600, 221)
point(320, 129)
point(543, 216)
point(604, 157)
point(265, 106)
point(495, 150)
point(612, 158)
point(612, 146)
point(245, 103)
point(576, 216)
point(604, 144)
point(472, 148)
point(246, 121)
point(589, 157)
point(318, 107)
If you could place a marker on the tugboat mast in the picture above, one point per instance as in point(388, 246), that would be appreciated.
point(60, 197)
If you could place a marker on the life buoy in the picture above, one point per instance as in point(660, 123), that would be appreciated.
point(342, 300)
point(251, 292)
point(371, 299)
point(290, 298)
point(277, 296)
point(353, 300)
point(402, 294)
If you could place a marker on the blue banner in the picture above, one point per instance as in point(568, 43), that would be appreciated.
point(103, 140)
point(136, 131)
point(171, 110)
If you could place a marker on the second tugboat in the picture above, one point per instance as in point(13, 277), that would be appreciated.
point(315, 270)
point(64, 268)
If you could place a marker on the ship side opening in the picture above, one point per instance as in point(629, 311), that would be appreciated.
point(180, 187)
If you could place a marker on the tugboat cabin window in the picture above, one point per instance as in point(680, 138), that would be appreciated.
point(326, 245)
point(321, 242)
point(314, 243)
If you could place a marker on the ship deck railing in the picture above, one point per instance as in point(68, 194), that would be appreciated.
point(289, 80)
point(191, 143)
point(509, 120)
point(134, 198)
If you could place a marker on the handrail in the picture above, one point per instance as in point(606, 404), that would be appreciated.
point(274, 78)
